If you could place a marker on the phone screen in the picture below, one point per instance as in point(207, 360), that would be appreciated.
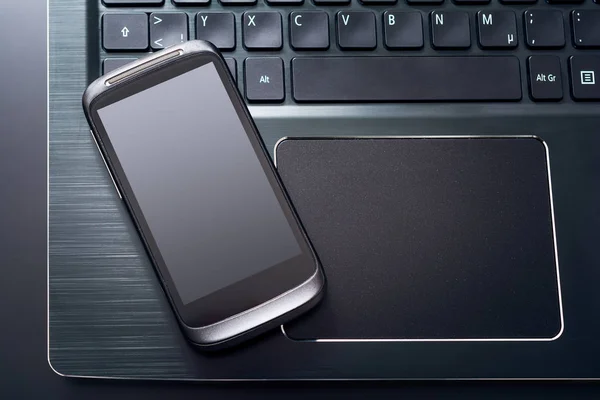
point(198, 182)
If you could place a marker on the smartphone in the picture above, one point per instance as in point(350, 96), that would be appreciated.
point(189, 163)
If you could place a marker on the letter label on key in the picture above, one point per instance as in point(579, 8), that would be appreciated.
point(297, 20)
point(391, 20)
point(204, 18)
point(264, 79)
point(346, 19)
point(511, 38)
point(439, 19)
point(251, 20)
point(487, 19)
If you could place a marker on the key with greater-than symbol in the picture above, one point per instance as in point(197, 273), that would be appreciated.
point(167, 29)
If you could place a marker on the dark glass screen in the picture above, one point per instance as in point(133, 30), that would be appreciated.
point(198, 183)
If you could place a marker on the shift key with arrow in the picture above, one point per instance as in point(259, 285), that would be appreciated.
point(167, 29)
point(125, 31)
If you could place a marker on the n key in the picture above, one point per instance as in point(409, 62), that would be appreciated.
point(497, 29)
point(450, 29)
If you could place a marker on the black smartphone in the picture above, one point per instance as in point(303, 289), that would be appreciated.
point(188, 161)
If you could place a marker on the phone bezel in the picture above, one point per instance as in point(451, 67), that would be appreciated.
point(240, 296)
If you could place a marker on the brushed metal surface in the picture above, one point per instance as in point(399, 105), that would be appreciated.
point(109, 317)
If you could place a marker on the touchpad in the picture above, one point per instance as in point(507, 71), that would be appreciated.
point(427, 238)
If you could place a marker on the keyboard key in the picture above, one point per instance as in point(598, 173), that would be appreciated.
point(262, 30)
point(585, 77)
point(167, 29)
point(125, 31)
point(469, 2)
point(309, 30)
point(403, 30)
point(420, 2)
point(544, 29)
point(518, 1)
point(378, 1)
point(264, 79)
point(133, 2)
point(321, 79)
point(191, 2)
point(237, 2)
point(232, 65)
point(285, 2)
point(564, 1)
point(356, 30)
point(113, 63)
point(450, 29)
point(545, 78)
point(334, 2)
point(217, 28)
point(497, 29)
point(586, 28)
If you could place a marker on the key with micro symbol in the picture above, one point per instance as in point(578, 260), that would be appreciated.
point(497, 29)
point(586, 28)
point(125, 31)
point(403, 30)
point(450, 29)
point(167, 29)
point(217, 28)
point(356, 30)
point(264, 79)
point(309, 30)
point(544, 29)
point(545, 78)
point(262, 30)
point(585, 77)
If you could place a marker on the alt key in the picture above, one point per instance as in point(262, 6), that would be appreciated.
point(264, 79)
point(545, 81)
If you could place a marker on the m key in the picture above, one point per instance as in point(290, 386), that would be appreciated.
point(262, 30)
point(497, 29)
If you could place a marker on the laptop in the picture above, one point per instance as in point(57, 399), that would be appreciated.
point(347, 68)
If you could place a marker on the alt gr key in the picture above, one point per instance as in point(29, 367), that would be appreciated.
point(545, 78)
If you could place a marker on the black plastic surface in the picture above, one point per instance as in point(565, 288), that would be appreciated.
point(427, 238)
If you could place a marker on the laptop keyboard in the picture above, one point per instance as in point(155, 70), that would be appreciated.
point(340, 51)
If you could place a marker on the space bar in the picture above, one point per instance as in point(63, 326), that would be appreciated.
point(364, 79)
